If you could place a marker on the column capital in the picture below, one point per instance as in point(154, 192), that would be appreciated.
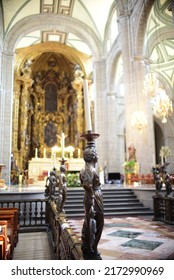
point(123, 9)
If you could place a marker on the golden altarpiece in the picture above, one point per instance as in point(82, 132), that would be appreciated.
point(48, 100)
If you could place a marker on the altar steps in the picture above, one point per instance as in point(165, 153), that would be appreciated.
point(117, 202)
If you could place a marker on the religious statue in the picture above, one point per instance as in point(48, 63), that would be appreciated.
point(167, 183)
point(61, 183)
point(157, 179)
point(162, 179)
point(132, 152)
point(51, 184)
point(93, 205)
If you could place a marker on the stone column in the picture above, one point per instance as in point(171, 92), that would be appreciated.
point(6, 114)
point(100, 110)
point(145, 140)
point(133, 69)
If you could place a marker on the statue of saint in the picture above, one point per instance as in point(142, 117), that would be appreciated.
point(50, 184)
point(62, 189)
point(132, 152)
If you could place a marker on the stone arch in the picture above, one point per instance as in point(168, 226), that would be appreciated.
point(45, 21)
point(112, 62)
point(22, 27)
point(107, 28)
point(164, 34)
point(141, 23)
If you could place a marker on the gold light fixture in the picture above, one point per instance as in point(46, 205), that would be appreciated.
point(139, 120)
point(162, 105)
point(151, 84)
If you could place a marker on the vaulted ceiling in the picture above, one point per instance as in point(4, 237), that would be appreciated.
point(92, 13)
point(95, 14)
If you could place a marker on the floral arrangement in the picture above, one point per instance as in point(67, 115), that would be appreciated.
point(129, 166)
point(165, 152)
point(73, 180)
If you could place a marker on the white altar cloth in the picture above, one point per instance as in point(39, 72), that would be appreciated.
point(39, 167)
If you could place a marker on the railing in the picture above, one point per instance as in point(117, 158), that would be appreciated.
point(163, 209)
point(42, 212)
point(66, 244)
point(31, 212)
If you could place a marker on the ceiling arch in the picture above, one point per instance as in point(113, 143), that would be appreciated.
point(33, 53)
point(52, 21)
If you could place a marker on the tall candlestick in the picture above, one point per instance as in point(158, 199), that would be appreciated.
point(63, 144)
point(87, 106)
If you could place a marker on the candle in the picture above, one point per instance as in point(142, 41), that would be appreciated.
point(154, 160)
point(54, 157)
point(162, 160)
point(78, 153)
point(63, 144)
point(20, 179)
point(87, 106)
point(44, 153)
point(36, 153)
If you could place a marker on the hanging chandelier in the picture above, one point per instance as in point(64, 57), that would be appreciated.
point(139, 120)
point(162, 105)
point(151, 85)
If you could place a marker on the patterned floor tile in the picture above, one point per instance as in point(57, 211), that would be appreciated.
point(133, 238)
point(142, 244)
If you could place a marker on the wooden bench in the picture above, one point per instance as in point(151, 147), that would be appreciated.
point(11, 216)
point(15, 211)
point(5, 246)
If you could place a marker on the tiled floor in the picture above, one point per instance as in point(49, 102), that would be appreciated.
point(133, 238)
point(126, 238)
point(27, 245)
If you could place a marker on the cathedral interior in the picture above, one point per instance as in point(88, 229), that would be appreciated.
point(103, 69)
point(48, 48)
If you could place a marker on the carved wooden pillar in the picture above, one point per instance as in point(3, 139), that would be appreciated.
point(26, 82)
point(15, 123)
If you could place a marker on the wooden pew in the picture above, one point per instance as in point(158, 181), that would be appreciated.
point(11, 216)
point(5, 246)
point(16, 220)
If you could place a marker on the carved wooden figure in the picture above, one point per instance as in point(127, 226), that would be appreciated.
point(93, 202)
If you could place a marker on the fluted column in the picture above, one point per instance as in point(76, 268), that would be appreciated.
point(6, 114)
point(100, 110)
point(27, 82)
point(145, 141)
point(133, 69)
